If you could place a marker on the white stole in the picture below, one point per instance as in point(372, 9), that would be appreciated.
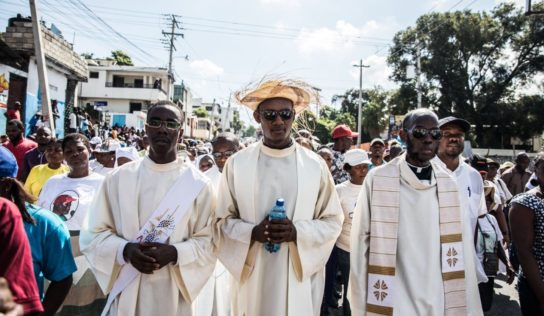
point(161, 224)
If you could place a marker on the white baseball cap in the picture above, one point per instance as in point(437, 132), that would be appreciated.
point(354, 157)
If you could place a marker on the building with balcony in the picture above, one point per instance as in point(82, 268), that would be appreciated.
point(123, 93)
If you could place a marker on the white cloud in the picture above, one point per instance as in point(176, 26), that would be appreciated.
point(206, 68)
point(343, 35)
point(287, 3)
point(378, 73)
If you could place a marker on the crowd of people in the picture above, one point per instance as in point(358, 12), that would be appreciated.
point(135, 222)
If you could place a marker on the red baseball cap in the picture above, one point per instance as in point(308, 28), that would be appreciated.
point(343, 131)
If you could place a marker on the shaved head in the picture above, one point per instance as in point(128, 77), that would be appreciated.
point(412, 116)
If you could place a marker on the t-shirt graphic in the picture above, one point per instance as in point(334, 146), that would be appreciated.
point(65, 204)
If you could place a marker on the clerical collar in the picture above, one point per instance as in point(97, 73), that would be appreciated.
point(422, 173)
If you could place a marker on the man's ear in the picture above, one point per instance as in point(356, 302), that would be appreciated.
point(403, 135)
point(257, 116)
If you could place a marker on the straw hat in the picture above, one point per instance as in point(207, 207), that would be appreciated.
point(299, 92)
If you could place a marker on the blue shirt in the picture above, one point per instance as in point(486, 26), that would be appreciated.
point(50, 244)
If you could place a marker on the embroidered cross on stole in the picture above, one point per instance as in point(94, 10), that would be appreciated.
point(384, 224)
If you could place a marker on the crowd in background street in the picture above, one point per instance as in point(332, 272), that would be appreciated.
point(49, 186)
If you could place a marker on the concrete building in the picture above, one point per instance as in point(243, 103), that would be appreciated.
point(184, 99)
point(123, 93)
point(19, 73)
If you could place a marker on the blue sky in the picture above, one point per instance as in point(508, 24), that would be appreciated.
point(231, 43)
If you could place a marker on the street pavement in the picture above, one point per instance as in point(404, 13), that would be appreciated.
point(506, 300)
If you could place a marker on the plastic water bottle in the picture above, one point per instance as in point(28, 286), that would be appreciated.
point(277, 212)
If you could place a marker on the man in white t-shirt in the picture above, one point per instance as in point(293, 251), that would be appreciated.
point(469, 181)
point(72, 128)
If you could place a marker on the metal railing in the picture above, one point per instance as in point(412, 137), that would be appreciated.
point(133, 85)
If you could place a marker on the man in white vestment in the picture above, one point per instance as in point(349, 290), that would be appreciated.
point(149, 241)
point(215, 297)
point(411, 250)
point(291, 280)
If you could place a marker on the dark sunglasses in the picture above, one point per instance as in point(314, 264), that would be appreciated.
point(271, 115)
point(421, 133)
point(225, 154)
point(154, 123)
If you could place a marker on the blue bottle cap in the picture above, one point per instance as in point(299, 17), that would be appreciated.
point(280, 202)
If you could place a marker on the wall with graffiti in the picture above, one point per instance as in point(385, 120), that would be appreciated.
point(4, 90)
point(57, 91)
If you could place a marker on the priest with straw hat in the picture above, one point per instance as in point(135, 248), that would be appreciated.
point(290, 280)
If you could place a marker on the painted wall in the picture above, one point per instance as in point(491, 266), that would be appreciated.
point(57, 91)
point(4, 86)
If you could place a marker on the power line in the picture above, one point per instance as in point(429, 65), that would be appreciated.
point(115, 31)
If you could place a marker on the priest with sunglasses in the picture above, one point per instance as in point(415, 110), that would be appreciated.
point(149, 241)
point(412, 250)
point(287, 280)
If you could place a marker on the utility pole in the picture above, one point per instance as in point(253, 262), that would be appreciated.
point(42, 67)
point(212, 123)
point(360, 105)
point(418, 76)
point(170, 38)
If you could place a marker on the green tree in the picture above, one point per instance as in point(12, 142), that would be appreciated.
point(237, 123)
point(200, 112)
point(374, 111)
point(121, 58)
point(250, 131)
point(472, 62)
point(87, 55)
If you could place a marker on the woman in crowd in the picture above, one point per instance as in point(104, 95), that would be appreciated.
point(527, 225)
point(489, 248)
point(49, 241)
point(356, 164)
point(70, 196)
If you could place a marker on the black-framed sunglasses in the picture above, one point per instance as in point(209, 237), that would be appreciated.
point(271, 115)
point(421, 133)
point(225, 154)
point(155, 123)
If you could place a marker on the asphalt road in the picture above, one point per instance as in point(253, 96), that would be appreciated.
point(506, 300)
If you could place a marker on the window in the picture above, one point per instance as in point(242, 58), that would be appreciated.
point(93, 74)
point(135, 107)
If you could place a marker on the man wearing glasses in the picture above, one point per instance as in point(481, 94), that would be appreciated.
point(149, 241)
point(214, 299)
point(410, 251)
point(289, 281)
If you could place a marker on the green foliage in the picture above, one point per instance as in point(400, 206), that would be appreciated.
point(200, 112)
point(237, 124)
point(323, 130)
point(121, 58)
point(374, 111)
point(250, 131)
point(472, 63)
point(87, 55)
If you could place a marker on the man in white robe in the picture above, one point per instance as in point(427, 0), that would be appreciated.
point(290, 281)
point(171, 274)
point(420, 282)
point(215, 297)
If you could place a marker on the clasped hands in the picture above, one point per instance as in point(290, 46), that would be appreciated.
point(276, 231)
point(149, 256)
